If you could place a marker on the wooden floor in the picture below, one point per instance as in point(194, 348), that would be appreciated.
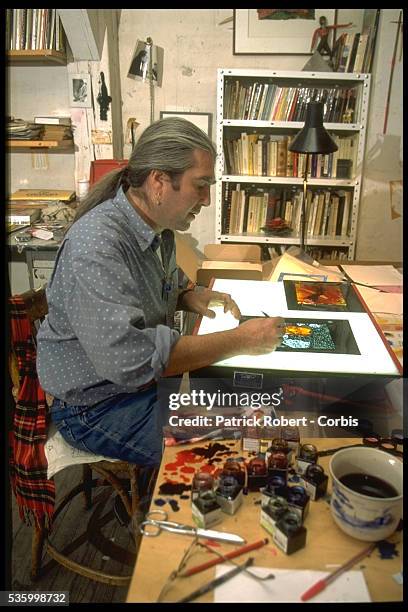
point(68, 525)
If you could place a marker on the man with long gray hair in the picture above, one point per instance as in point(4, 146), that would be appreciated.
point(108, 336)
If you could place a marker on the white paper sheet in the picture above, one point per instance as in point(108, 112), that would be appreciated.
point(374, 275)
point(378, 301)
point(288, 586)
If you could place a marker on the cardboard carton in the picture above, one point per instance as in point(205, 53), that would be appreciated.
point(239, 261)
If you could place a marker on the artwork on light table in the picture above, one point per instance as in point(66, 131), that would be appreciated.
point(334, 297)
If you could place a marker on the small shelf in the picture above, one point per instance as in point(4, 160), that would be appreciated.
point(262, 238)
point(40, 57)
point(292, 125)
point(60, 145)
point(289, 180)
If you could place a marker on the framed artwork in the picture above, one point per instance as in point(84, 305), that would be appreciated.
point(277, 31)
point(80, 92)
point(201, 120)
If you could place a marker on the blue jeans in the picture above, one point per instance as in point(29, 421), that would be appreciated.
point(128, 426)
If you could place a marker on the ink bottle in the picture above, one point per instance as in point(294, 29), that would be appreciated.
point(235, 468)
point(277, 446)
point(315, 481)
point(307, 456)
point(275, 486)
point(270, 513)
point(290, 534)
point(298, 501)
point(202, 481)
point(205, 509)
point(257, 473)
point(229, 494)
point(278, 464)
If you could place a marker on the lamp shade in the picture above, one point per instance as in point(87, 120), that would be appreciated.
point(313, 138)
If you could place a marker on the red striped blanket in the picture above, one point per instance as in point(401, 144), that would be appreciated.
point(35, 494)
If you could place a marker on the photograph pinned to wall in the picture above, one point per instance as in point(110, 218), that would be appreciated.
point(143, 55)
point(201, 120)
point(80, 92)
point(277, 31)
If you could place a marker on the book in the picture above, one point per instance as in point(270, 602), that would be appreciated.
point(52, 120)
point(62, 195)
point(281, 158)
point(353, 53)
point(361, 49)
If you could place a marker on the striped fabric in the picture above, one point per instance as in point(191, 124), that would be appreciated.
point(35, 494)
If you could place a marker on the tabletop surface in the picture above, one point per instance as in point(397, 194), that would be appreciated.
point(326, 545)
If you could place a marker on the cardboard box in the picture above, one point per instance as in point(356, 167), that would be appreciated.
point(239, 261)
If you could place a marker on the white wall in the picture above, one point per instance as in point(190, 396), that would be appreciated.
point(195, 45)
point(39, 90)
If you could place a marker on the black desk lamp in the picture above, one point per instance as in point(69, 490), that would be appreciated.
point(313, 138)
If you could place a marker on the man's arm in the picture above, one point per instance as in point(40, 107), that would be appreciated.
point(253, 337)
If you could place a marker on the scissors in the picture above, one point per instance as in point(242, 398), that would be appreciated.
point(373, 440)
point(156, 521)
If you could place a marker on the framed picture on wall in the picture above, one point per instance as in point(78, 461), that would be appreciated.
point(80, 92)
point(278, 31)
point(201, 120)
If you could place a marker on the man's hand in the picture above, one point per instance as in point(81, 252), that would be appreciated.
point(260, 335)
point(199, 301)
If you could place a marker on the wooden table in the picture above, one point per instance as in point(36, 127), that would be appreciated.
point(326, 544)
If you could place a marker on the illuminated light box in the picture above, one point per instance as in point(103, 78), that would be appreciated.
point(363, 350)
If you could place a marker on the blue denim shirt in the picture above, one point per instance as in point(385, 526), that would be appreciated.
point(111, 304)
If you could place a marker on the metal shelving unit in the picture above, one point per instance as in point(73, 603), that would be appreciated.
point(357, 128)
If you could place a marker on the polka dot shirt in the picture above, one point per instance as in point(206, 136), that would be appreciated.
point(111, 301)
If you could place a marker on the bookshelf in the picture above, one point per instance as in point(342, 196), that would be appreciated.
point(258, 179)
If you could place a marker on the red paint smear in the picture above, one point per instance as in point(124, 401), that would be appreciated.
point(187, 470)
point(212, 543)
point(183, 457)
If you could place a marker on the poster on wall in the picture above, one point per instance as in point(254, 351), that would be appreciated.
point(277, 31)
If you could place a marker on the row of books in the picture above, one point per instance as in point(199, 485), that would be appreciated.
point(355, 52)
point(269, 155)
point(318, 253)
point(33, 29)
point(267, 101)
point(248, 210)
point(328, 254)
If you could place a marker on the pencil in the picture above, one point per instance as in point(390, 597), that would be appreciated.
point(234, 553)
point(324, 582)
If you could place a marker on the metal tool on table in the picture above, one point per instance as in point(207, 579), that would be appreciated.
point(156, 521)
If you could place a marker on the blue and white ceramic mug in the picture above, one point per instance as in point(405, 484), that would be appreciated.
point(362, 516)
